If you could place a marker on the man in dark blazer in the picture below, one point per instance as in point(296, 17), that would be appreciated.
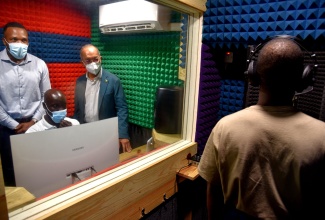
point(99, 95)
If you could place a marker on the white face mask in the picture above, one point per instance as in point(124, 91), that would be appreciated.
point(93, 68)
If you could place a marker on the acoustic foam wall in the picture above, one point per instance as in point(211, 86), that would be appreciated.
point(232, 94)
point(184, 28)
point(63, 76)
point(237, 23)
point(229, 22)
point(142, 61)
point(209, 96)
point(63, 17)
point(57, 31)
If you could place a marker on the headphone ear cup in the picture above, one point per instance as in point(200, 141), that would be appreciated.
point(307, 79)
point(304, 84)
point(252, 74)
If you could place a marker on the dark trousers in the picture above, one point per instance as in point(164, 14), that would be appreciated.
point(6, 157)
point(231, 213)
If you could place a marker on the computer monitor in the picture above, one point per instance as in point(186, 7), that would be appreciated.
point(51, 160)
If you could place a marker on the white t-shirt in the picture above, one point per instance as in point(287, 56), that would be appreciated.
point(43, 125)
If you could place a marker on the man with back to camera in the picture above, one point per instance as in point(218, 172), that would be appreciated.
point(24, 79)
point(55, 106)
point(99, 95)
point(267, 161)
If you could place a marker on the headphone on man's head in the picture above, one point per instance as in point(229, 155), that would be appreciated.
point(307, 78)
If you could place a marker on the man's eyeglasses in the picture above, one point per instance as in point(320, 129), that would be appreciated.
point(89, 61)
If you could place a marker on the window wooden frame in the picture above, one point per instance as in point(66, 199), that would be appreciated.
point(139, 186)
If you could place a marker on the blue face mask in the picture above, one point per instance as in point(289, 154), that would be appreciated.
point(56, 116)
point(18, 50)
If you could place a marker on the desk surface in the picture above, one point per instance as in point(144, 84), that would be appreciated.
point(18, 197)
point(189, 172)
point(159, 140)
point(136, 152)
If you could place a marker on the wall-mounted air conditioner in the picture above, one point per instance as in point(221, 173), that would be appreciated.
point(134, 16)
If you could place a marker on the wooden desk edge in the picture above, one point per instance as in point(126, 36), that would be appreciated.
point(18, 197)
point(189, 172)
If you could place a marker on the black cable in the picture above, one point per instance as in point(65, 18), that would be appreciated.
point(177, 176)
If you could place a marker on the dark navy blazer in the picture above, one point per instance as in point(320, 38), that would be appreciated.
point(111, 103)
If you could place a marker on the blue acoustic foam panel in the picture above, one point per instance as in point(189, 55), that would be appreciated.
point(54, 48)
point(184, 33)
point(228, 22)
point(232, 95)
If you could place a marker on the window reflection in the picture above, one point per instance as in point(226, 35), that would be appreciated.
point(146, 62)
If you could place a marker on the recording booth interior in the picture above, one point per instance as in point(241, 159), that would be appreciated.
point(57, 29)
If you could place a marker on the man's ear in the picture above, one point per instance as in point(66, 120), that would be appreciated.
point(4, 42)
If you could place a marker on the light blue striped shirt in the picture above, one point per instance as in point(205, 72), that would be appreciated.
point(22, 88)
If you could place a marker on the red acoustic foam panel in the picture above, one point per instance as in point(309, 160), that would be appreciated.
point(63, 76)
point(64, 17)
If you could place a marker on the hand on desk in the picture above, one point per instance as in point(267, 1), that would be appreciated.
point(126, 145)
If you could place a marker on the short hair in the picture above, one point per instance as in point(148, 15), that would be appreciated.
point(48, 94)
point(280, 62)
point(88, 45)
point(13, 24)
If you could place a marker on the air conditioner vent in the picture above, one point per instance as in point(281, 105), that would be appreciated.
point(130, 27)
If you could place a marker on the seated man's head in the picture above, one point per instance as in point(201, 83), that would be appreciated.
point(280, 67)
point(55, 106)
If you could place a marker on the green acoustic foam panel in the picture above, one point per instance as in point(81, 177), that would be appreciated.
point(142, 61)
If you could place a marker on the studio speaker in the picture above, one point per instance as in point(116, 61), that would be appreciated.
point(169, 109)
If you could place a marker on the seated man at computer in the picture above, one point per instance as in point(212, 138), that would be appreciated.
point(55, 106)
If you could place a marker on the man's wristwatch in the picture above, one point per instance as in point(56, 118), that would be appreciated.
point(34, 120)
